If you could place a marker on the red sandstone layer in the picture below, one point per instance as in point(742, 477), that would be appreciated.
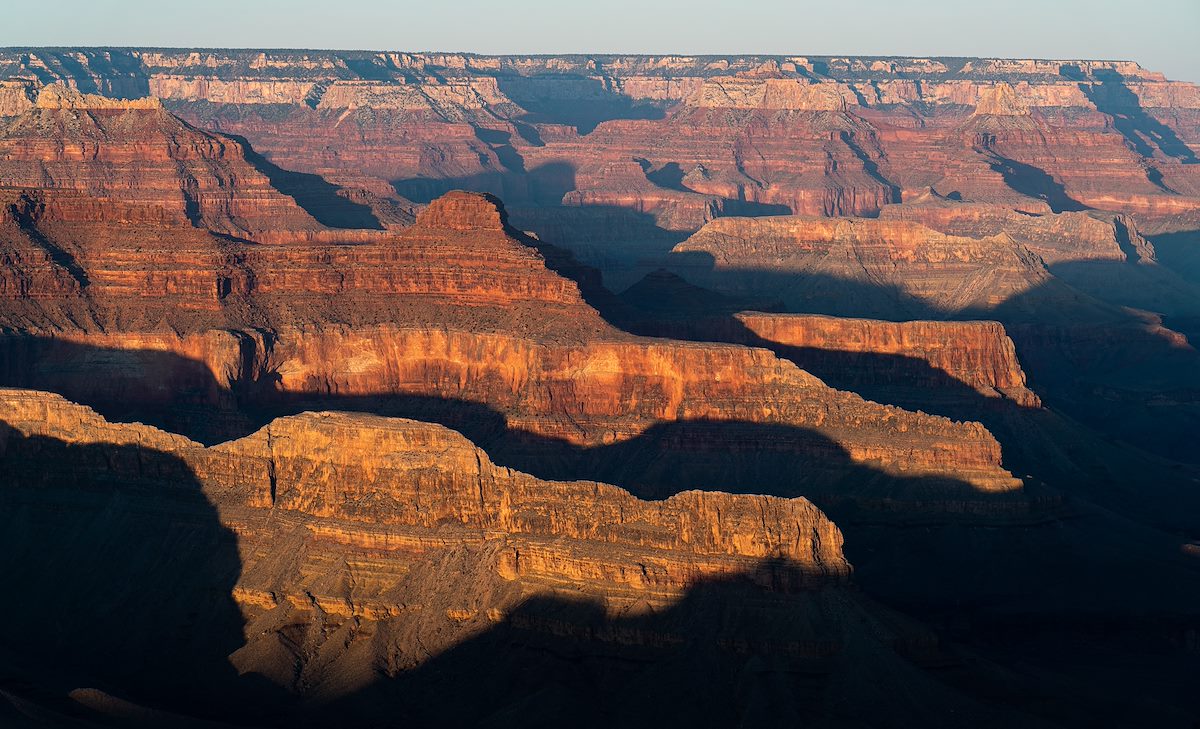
point(977, 354)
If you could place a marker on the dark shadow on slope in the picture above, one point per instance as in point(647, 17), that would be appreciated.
point(1092, 363)
point(1150, 286)
point(577, 101)
point(803, 292)
point(1141, 130)
point(1179, 251)
point(313, 193)
point(180, 394)
point(744, 650)
point(119, 71)
point(542, 185)
point(669, 176)
point(26, 212)
point(870, 166)
point(118, 574)
point(500, 143)
point(1030, 180)
point(622, 242)
point(917, 542)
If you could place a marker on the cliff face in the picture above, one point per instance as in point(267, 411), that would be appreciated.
point(1065, 237)
point(576, 401)
point(803, 135)
point(402, 507)
point(93, 159)
point(269, 288)
point(401, 485)
point(809, 262)
point(456, 308)
point(977, 354)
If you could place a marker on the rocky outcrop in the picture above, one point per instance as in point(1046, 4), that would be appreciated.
point(457, 309)
point(862, 266)
point(682, 139)
point(344, 561)
point(560, 408)
point(616, 516)
point(16, 97)
point(1055, 238)
point(403, 487)
point(977, 354)
point(84, 158)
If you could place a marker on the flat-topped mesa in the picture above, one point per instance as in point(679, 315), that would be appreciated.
point(460, 210)
point(1065, 237)
point(978, 354)
point(900, 268)
point(60, 96)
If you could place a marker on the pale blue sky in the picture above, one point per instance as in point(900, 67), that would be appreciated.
point(1163, 35)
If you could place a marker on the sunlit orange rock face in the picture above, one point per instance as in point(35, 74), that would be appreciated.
point(408, 437)
point(456, 308)
point(398, 540)
point(977, 354)
point(406, 487)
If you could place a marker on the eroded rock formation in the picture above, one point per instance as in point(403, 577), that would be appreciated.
point(977, 354)
point(223, 243)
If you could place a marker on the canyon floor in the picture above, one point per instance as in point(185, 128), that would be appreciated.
point(415, 389)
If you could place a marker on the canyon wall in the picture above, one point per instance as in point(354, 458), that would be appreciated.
point(977, 354)
point(407, 438)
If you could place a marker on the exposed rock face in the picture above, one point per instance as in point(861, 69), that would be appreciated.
point(606, 152)
point(93, 159)
point(591, 396)
point(1066, 237)
point(456, 309)
point(401, 506)
point(235, 292)
point(977, 354)
point(379, 482)
point(810, 262)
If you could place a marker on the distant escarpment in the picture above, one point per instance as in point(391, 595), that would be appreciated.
point(665, 143)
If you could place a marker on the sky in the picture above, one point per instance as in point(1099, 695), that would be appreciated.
point(1162, 35)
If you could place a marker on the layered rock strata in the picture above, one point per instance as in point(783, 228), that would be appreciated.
point(977, 354)
point(681, 139)
point(460, 309)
